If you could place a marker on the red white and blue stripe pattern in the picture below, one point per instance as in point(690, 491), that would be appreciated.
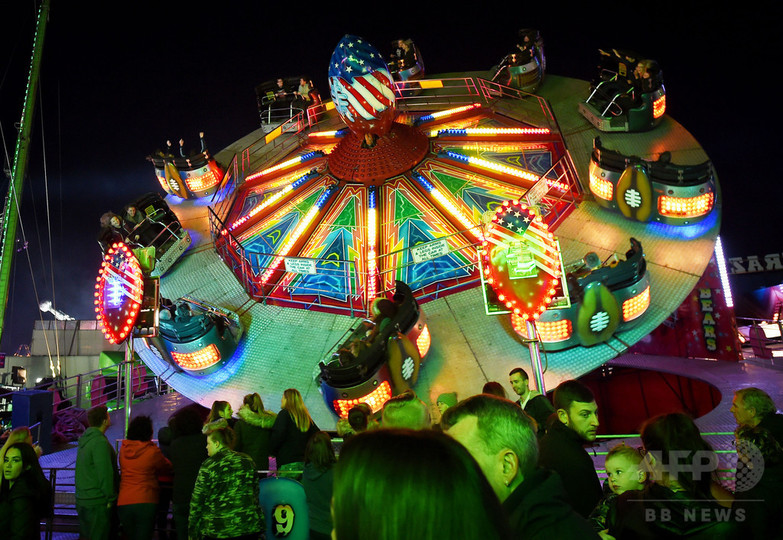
point(361, 86)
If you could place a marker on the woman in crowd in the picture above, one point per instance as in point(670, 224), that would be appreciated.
point(254, 430)
point(396, 483)
point(25, 494)
point(221, 409)
point(141, 462)
point(292, 429)
point(317, 480)
point(225, 497)
point(188, 452)
point(679, 462)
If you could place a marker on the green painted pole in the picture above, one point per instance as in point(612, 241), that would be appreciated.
point(21, 158)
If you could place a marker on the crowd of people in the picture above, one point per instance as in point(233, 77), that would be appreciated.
point(489, 468)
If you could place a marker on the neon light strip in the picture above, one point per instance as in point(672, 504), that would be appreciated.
point(284, 165)
point(447, 112)
point(374, 399)
point(659, 106)
point(686, 207)
point(484, 132)
point(201, 359)
point(297, 233)
point(202, 182)
point(724, 276)
point(468, 223)
point(327, 134)
point(504, 169)
point(272, 199)
point(372, 244)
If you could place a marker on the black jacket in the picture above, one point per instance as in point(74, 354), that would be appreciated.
point(187, 453)
point(23, 506)
point(288, 443)
point(254, 434)
point(537, 508)
point(658, 513)
point(562, 451)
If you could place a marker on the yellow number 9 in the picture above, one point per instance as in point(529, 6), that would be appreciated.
point(283, 516)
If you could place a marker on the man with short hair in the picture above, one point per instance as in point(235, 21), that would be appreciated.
point(562, 448)
point(97, 477)
point(405, 411)
point(535, 404)
point(753, 407)
point(502, 440)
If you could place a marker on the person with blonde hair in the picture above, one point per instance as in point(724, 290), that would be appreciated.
point(290, 433)
point(254, 430)
point(22, 434)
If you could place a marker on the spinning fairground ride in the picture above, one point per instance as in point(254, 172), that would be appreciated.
point(464, 193)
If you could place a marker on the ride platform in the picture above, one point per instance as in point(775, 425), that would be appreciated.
point(283, 345)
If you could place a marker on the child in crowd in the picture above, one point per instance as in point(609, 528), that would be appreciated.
point(624, 472)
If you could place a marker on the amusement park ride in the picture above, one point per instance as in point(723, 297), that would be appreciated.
point(410, 190)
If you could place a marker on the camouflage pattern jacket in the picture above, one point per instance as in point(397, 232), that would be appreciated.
point(225, 497)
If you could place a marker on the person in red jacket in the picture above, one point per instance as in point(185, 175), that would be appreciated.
point(141, 461)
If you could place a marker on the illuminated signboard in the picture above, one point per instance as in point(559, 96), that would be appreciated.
point(118, 292)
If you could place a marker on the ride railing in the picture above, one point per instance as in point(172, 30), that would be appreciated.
point(762, 339)
point(96, 387)
point(167, 233)
point(226, 192)
point(412, 95)
point(343, 278)
point(275, 112)
point(535, 109)
point(427, 279)
point(422, 94)
point(230, 250)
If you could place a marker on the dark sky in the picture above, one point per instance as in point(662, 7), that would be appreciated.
point(117, 83)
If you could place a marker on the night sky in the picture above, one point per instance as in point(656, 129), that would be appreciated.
point(116, 83)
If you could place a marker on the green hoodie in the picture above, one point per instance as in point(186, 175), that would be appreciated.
point(97, 476)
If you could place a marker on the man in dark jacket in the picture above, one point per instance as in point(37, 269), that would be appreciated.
point(502, 439)
point(535, 404)
point(187, 452)
point(562, 448)
point(97, 477)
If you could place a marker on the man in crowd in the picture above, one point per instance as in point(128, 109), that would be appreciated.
point(405, 411)
point(562, 448)
point(753, 407)
point(502, 439)
point(97, 478)
point(535, 404)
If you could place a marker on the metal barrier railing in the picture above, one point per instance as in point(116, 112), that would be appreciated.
point(91, 388)
point(426, 93)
